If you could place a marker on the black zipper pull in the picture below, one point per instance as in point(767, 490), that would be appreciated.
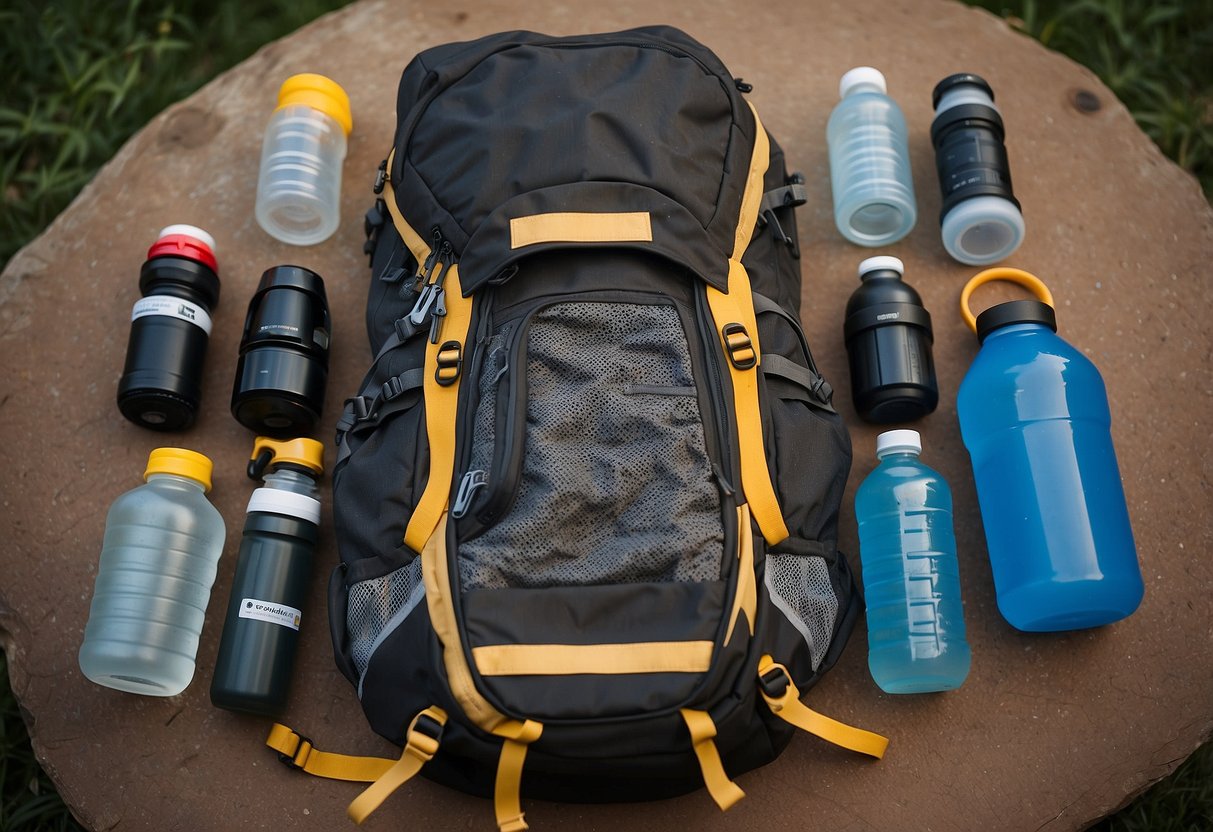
point(380, 177)
point(472, 482)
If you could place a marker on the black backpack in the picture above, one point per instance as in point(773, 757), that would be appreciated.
point(587, 497)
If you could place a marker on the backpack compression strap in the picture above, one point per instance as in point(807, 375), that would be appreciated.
point(733, 314)
point(385, 776)
point(782, 697)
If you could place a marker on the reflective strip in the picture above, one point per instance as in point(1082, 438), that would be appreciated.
point(287, 503)
point(703, 730)
point(419, 749)
point(507, 800)
point(574, 227)
point(790, 709)
point(746, 596)
point(437, 576)
point(593, 659)
point(737, 306)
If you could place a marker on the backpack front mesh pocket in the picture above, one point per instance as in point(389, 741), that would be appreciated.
point(377, 606)
point(800, 588)
point(612, 482)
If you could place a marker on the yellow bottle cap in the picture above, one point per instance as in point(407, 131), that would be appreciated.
point(307, 453)
point(181, 462)
point(321, 93)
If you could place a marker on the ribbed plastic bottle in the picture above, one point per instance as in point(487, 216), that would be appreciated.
point(265, 609)
point(870, 162)
point(1034, 416)
point(299, 186)
point(916, 631)
point(162, 546)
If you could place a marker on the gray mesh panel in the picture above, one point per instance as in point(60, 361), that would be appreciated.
point(616, 484)
point(490, 376)
point(800, 587)
point(376, 606)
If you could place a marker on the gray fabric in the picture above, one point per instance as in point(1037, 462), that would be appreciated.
point(377, 606)
point(492, 371)
point(616, 487)
point(800, 587)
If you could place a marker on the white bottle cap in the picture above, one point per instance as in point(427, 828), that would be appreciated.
point(892, 441)
point(865, 75)
point(189, 231)
point(882, 263)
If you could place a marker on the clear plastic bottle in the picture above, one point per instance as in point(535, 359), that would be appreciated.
point(916, 631)
point(162, 546)
point(299, 185)
point(870, 162)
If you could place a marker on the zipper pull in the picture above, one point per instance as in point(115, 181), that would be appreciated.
point(380, 177)
point(472, 482)
point(438, 314)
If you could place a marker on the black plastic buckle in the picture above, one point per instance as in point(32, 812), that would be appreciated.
point(292, 760)
point(775, 682)
point(405, 329)
point(391, 388)
point(380, 177)
point(429, 726)
point(739, 346)
point(450, 363)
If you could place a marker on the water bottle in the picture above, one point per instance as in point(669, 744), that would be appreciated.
point(916, 630)
point(161, 384)
point(870, 162)
point(265, 609)
point(981, 221)
point(299, 186)
point(888, 337)
point(158, 562)
point(1034, 417)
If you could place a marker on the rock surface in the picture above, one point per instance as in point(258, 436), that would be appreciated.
point(1049, 732)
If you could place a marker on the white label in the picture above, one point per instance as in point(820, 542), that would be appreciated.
point(269, 611)
point(172, 308)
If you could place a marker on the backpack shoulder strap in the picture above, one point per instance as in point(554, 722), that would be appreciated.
point(733, 314)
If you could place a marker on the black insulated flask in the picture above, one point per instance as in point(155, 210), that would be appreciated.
point(888, 337)
point(161, 385)
point(284, 355)
point(273, 572)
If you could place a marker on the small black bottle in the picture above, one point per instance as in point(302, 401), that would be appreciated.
point(888, 337)
point(265, 609)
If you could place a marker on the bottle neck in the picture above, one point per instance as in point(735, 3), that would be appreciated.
point(856, 89)
point(176, 479)
point(899, 455)
point(1017, 329)
point(286, 479)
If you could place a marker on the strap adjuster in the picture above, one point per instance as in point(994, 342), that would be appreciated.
point(775, 681)
point(298, 759)
point(739, 346)
point(450, 363)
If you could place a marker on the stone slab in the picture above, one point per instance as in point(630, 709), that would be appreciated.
point(1049, 732)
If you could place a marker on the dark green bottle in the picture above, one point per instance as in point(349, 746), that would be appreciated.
point(265, 609)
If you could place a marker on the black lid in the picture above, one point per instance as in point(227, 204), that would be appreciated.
point(1015, 312)
point(960, 79)
point(295, 277)
point(194, 278)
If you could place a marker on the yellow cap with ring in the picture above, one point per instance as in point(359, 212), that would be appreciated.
point(320, 93)
point(306, 453)
point(1026, 279)
point(181, 462)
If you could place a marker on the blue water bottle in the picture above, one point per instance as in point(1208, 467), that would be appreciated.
point(1034, 417)
point(916, 630)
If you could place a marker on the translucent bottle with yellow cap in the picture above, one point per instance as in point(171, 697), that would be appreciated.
point(162, 546)
point(299, 186)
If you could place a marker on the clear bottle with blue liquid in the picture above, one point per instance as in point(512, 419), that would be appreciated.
point(911, 579)
point(1034, 416)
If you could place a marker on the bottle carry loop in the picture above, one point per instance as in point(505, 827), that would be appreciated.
point(507, 801)
point(781, 695)
point(1026, 279)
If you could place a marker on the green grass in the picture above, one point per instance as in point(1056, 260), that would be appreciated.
point(80, 82)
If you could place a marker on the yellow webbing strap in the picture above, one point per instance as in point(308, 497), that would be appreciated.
point(507, 800)
point(737, 307)
point(297, 751)
point(746, 597)
point(790, 709)
point(419, 749)
point(703, 730)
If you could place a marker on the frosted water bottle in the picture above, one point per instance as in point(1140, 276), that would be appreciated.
point(1034, 416)
point(162, 546)
point(265, 609)
point(870, 162)
point(299, 186)
point(916, 631)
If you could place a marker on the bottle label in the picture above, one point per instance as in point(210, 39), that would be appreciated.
point(270, 612)
point(170, 307)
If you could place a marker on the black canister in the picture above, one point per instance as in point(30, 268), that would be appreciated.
point(284, 354)
point(888, 337)
point(265, 609)
point(161, 383)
